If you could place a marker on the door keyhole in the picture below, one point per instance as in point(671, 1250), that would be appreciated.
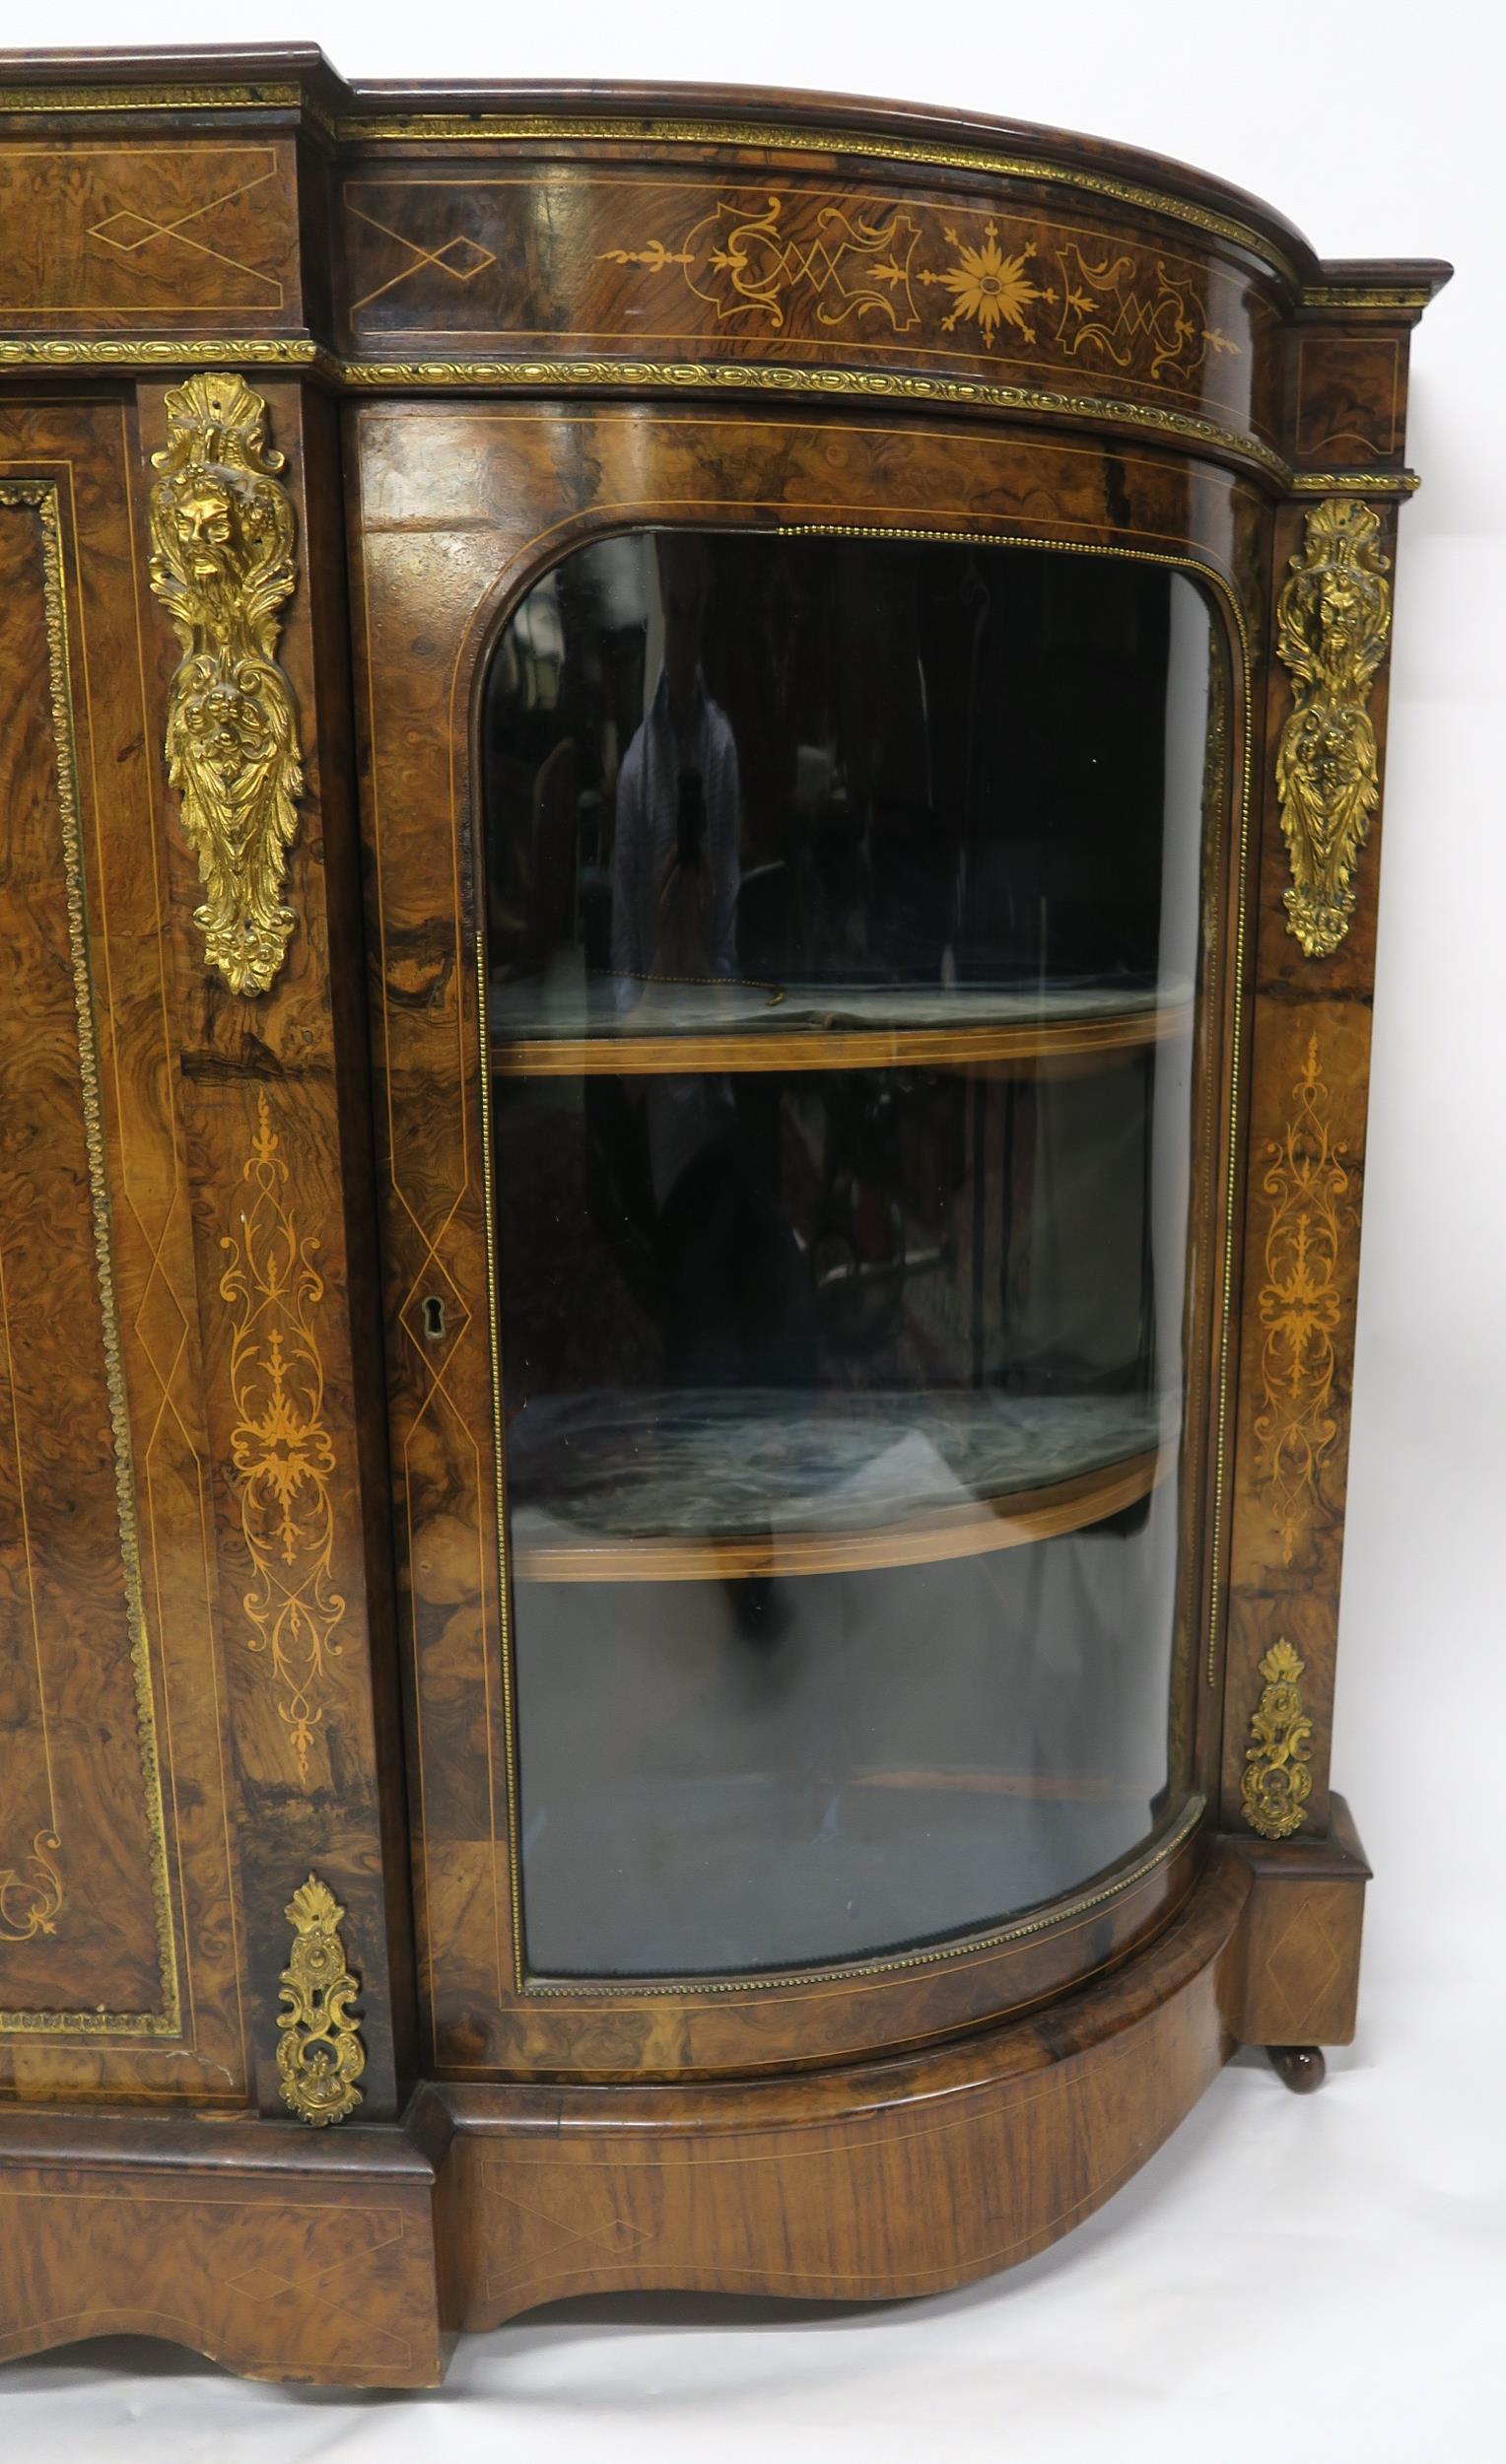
point(434, 1317)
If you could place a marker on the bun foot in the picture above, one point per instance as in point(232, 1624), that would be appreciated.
point(1301, 2068)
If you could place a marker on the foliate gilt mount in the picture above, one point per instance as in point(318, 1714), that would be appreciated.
point(223, 567)
point(1277, 1782)
point(1332, 618)
point(320, 2053)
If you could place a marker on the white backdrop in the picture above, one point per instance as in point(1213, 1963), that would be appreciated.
point(1320, 2277)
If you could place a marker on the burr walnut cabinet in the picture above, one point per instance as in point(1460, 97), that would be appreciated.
point(691, 811)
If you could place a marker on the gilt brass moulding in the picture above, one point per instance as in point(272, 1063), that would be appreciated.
point(223, 567)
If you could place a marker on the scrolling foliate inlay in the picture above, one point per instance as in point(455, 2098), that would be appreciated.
point(223, 567)
point(1277, 1783)
point(1111, 309)
point(1332, 618)
point(1299, 1304)
point(740, 263)
point(32, 1894)
point(281, 1447)
point(320, 2053)
point(865, 270)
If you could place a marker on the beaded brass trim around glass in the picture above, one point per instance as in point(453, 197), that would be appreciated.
point(222, 566)
point(1332, 618)
point(1277, 1782)
point(33, 1897)
point(320, 2053)
point(283, 1453)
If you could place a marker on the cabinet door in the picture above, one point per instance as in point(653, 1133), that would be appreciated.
point(117, 1968)
point(803, 864)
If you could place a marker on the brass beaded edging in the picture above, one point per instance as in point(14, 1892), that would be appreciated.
point(626, 128)
point(443, 127)
point(498, 1471)
point(681, 375)
point(1351, 294)
point(126, 352)
point(717, 376)
point(1353, 482)
point(44, 496)
point(271, 97)
point(1059, 1912)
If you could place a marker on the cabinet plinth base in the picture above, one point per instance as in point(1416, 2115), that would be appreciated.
point(350, 2257)
point(279, 2251)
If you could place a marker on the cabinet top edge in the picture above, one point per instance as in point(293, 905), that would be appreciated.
point(298, 79)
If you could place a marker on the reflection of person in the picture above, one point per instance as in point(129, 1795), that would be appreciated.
point(674, 867)
point(733, 1295)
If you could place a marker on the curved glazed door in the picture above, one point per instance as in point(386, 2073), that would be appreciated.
point(804, 1021)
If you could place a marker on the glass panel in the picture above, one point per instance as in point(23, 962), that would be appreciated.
point(844, 907)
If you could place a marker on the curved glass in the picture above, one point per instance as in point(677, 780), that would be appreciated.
point(842, 928)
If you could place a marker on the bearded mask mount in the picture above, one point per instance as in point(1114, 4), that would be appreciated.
point(221, 565)
point(1331, 621)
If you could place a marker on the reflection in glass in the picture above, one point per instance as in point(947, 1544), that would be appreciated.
point(843, 939)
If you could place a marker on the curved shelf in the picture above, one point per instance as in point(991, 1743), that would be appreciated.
point(678, 1030)
point(970, 1531)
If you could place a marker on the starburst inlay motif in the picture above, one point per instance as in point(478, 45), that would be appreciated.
point(992, 289)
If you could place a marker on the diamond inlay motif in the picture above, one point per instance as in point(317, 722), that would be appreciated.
point(196, 230)
point(259, 2284)
point(461, 258)
point(125, 230)
point(1303, 1964)
point(464, 258)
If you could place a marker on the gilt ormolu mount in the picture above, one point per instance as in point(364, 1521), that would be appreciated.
point(675, 1305)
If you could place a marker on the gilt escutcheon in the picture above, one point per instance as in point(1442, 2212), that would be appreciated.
point(320, 2053)
point(1277, 1782)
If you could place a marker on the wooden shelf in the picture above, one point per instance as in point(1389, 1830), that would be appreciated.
point(971, 1531)
point(727, 1033)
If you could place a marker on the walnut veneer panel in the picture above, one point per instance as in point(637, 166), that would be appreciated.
point(279, 1162)
point(896, 2178)
point(1350, 398)
point(117, 1927)
point(1308, 1096)
point(979, 281)
point(138, 234)
point(277, 2257)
